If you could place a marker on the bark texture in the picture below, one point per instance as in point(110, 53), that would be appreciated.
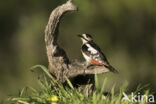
point(59, 64)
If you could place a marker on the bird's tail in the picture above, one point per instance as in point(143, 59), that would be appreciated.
point(112, 69)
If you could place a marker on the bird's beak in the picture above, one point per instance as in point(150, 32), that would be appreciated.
point(79, 36)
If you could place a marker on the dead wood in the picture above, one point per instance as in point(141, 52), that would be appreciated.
point(59, 64)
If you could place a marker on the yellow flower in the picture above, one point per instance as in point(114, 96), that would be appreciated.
point(53, 103)
point(53, 99)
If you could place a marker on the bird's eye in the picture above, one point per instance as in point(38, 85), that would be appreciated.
point(88, 36)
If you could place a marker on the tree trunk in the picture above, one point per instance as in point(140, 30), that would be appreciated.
point(59, 64)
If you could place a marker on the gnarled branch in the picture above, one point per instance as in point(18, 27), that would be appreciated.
point(59, 64)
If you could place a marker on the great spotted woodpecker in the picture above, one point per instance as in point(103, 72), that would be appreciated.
point(92, 53)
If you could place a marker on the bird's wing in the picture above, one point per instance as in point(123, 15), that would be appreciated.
point(96, 53)
point(98, 58)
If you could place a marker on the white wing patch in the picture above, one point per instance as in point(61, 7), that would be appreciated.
point(91, 49)
point(87, 58)
point(94, 53)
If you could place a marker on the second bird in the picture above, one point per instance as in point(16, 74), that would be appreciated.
point(92, 53)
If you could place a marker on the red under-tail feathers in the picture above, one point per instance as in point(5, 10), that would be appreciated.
point(94, 62)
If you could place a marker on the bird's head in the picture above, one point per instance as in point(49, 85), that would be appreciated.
point(85, 37)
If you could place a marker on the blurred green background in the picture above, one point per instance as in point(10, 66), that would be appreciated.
point(124, 29)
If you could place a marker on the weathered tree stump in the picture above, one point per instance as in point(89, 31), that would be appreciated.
point(59, 64)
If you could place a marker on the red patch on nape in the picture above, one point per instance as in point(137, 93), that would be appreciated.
point(94, 62)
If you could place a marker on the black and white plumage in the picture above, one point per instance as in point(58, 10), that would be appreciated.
point(92, 53)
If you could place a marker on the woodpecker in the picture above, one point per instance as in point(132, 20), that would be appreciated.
point(93, 54)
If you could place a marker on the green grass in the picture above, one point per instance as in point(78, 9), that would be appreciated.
point(52, 92)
